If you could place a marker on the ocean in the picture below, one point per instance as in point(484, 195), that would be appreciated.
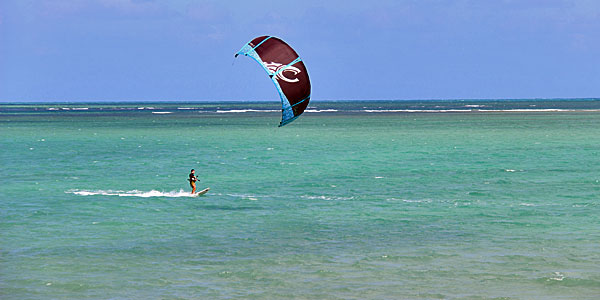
point(474, 199)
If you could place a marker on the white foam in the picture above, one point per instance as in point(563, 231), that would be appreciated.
point(416, 201)
point(328, 198)
point(246, 110)
point(409, 200)
point(535, 110)
point(474, 110)
point(319, 111)
point(244, 196)
point(415, 110)
point(557, 276)
point(161, 112)
point(133, 193)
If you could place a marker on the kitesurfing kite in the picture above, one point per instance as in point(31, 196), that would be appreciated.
point(287, 71)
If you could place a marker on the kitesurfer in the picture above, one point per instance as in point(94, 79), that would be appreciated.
point(193, 180)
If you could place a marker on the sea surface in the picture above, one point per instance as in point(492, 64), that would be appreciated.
point(477, 199)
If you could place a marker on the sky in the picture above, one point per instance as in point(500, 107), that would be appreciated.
point(153, 50)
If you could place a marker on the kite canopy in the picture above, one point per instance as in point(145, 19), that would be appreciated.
point(287, 71)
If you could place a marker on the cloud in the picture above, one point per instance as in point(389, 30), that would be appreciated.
point(206, 20)
point(59, 8)
point(206, 11)
point(131, 7)
point(102, 9)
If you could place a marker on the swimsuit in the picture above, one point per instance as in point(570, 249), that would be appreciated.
point(192, 180)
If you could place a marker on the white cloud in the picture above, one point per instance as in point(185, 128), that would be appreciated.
point(101, 8)
point(133, 7)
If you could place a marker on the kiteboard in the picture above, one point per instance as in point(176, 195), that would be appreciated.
point(202, 192)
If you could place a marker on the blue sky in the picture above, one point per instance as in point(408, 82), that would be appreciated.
point(115, 50)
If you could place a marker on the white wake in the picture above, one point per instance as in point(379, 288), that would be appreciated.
point(133, 193)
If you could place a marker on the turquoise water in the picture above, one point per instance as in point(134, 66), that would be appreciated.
point(340, 204)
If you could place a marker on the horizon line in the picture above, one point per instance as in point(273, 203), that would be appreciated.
point(319, 100)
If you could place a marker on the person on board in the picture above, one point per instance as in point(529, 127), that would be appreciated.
point(193, 180)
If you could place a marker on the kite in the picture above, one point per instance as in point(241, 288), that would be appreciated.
point(287, 71)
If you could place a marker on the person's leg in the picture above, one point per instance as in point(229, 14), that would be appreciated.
point(193, 184)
